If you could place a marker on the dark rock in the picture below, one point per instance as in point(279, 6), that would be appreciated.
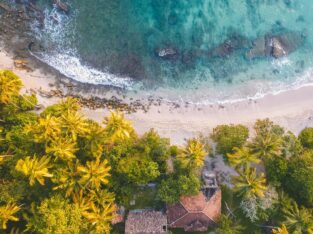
point(285, 44)
point(276, 46)
point(235, 42)
point(168, 53)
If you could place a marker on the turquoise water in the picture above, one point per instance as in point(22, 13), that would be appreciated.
point(114, 42)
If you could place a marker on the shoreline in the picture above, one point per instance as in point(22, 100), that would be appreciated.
point(292, 109)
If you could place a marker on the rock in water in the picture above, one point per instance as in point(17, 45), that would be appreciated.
point(278, 49)
point(276, 46)
point(285, 44)
point(167, 53)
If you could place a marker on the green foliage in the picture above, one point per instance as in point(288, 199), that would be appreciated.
point(229, 136)
point(227, 226)
point(10, 85)
point(298, 181)
point(306, 138)
point(56, 215)
point(298, 220)
point(138, 169)
point(175, 186)
point(276, 170)
point(27, 102)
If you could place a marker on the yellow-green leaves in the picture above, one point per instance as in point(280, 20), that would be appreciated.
point(280, 230)
point(74, 124)
point(193, 155)
point(62, 148)
point(249, 184)
point(242, 157)
point(117, 128)
point(34, 169)
point(46, 129)
point(7, 213)
point(10, 85)
point(95, 173)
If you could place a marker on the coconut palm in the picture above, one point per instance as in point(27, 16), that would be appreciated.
point(227, 226)
point(46, 129)
point(96, 138)
point(280, 230)
point(68, 104)
point(193, 154)
point(264, 146)
point(117, 127)
point(10, 85)
point(297, 219)
point(35, 169)
point(242, 157)
point(74, 124)
point(68, 179)
point(95, 173)
point(62, 148)
point(101, 217)
point(7, 213)
point(249, 184)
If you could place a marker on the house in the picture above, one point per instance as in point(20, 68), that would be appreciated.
point(146, 222)
point(197, 213)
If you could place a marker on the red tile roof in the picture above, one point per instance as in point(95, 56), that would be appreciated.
point(195, 213)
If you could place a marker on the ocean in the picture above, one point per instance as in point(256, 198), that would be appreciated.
point(199, 51)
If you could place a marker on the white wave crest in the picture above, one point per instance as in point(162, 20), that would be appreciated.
point(72, 67)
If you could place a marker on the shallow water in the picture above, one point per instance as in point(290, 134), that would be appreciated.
point(114, 42)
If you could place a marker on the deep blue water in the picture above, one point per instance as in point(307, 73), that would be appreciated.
point(116, 42)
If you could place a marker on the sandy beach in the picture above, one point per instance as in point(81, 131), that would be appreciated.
point(292, 109)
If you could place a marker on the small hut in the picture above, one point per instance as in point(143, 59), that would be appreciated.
point(146, 222)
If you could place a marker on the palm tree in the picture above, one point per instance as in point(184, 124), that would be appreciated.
point(193, 155)
point(10, 85)
point(117, 127)
point(35, 169)
point(249, 184)
point(46, 129)
point(74, 124)
point(266, 146)
point(68, 104)
point(95, 173)
point(96, 138)
point(227, 226)
point(242, 157)
point(68, 179)
point(280, 230)
point(298, 220)
point(62, 148)
point(101, 218)
point(7, 213)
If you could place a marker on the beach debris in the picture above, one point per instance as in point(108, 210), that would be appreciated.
point(168, 53)
point(22, 64)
